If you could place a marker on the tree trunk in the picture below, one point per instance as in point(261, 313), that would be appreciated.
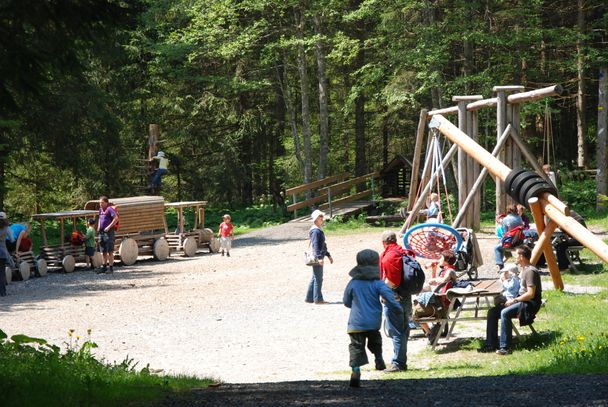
point(323, 100)
point(3, 157)
point(291, 113)
point(602, 167)
point(306, 133)
point(581, 123)
point(360, 150)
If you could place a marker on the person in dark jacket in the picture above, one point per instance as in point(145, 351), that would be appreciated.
point(319, 248)
point(362, 295)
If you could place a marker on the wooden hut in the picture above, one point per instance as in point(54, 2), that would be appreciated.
point(189, 240)
point(142, 227)
point(396, 176)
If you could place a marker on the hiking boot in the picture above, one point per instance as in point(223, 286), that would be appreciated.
point(222, 252)
point(486, 349)
point(355, 379)
point(503, 351)
point(380, 365)
point(227, 254)
point(102, 270)
point(111, 270)
point(393, 368)
point(321, 302)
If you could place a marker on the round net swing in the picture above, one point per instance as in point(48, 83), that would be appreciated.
point(429, 240)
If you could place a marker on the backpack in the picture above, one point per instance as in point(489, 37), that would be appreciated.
point(513, 237)
point(77, 238)
point(412, 277)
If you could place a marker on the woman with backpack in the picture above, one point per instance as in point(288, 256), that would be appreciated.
point(509, 223)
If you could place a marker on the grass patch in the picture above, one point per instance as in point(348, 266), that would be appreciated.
point(572, 339)
point(350, 225)
point(36, 373)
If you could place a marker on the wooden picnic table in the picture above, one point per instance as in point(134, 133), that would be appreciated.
point(479, 297)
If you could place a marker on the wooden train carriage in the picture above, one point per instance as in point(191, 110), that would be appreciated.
point(142, 227)
point(189, 241)
point(25, 266)
point(63, 255)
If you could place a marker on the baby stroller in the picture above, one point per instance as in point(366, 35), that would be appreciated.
point(468, 256)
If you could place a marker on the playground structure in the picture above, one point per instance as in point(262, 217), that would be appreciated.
point(142, 229)
point(527, 188)
point(24, 265)
point(63, 255)
point(189, 241)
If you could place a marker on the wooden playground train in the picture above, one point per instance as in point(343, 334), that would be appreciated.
point(142, 231)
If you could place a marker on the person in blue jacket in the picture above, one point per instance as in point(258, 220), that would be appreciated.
point(362, 295)
point(319, 248)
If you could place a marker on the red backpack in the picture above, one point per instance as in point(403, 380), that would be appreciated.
point(513, 237)
point(77, 238)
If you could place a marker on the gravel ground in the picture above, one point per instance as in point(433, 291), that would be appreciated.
point(243, 320)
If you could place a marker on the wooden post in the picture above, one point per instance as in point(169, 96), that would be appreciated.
point(501, 124)
point(480, 179)
point(416, 159)
point(516, 122)
point(476, 174)
point(153, 137)
point(545, 245)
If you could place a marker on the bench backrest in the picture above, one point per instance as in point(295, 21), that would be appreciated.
point(142, 214)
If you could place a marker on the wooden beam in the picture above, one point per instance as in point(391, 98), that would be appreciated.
point(416, 158)
point(545, 244)
point(349, 198)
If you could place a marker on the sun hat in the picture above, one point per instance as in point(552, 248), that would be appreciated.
point(315, 214)
point(3, 215)
point(511, 268)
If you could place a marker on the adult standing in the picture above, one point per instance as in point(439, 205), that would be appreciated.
point(5, 257)
point(391, 270)
point(319, 249)
point(106, 228)
point(525, 306)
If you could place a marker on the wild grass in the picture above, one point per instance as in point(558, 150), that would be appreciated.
point(36, 373)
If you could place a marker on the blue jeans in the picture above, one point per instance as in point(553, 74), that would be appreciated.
point(156, 177)
point(399, 331)
point(506, 325)
point(315, 285)
point(498, 254)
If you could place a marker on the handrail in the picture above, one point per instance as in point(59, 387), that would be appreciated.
point(316, 184)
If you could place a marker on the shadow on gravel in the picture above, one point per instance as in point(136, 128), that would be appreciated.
point(528, 390)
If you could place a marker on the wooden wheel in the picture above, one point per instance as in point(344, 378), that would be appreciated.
point(207, 235)
point(97, 259)
point(69, 263)
point(42, 267)
point(190, 246)
point(161, 249)
point(24, 270)
point(214, 245)
point(128, 251)
point(9, 274)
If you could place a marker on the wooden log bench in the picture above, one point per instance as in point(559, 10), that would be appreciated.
point(26, 266)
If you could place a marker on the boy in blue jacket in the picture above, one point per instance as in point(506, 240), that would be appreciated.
point(362, 296)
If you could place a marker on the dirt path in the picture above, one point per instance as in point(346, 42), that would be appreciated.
point(241, 319)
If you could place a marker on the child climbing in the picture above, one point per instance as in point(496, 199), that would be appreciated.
point(163, 165)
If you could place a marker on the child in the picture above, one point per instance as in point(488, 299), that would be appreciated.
point(362, 296)
point(226, 234)
point(433, 215)
point(89, 243)
point(510, 281)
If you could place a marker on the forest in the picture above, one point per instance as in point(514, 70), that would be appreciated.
point(256, 96)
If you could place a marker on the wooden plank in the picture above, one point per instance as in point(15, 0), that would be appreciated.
point(354, 181)
point(316, 184)
point(319, 198)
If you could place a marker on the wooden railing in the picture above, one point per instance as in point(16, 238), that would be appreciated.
point(329, 195)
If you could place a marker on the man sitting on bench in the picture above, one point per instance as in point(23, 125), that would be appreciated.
point(525, 305)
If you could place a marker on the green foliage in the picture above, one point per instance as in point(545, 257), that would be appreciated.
point(35, 372)
point(578, 191)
